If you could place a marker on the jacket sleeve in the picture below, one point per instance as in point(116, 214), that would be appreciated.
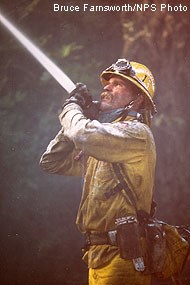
point(111, 142)
point(61, 157)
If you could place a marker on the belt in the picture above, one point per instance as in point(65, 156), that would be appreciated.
point(109, 237)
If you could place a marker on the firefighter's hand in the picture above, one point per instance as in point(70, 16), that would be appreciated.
point(92, 112)
point(81, 96)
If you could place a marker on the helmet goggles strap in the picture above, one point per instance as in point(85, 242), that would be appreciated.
point(122, 66)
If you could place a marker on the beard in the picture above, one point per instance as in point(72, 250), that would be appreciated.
point(106, 101)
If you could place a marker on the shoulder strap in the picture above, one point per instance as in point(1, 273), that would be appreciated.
point(124, 184)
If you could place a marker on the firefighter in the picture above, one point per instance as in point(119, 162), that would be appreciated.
point(112, 146)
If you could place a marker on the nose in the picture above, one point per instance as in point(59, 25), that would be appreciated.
point(108, 87)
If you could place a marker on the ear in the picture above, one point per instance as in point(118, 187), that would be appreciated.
point(138, 102)
point(140, 98)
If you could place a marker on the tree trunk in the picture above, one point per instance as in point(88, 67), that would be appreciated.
point(160, 40)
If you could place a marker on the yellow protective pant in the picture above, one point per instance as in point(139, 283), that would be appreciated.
point(118, 272)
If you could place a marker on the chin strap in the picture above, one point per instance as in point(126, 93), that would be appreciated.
point(143, 116)
point(127, 111)
point(120, 113)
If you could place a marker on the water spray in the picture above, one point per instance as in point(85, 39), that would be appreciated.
point(48, 64)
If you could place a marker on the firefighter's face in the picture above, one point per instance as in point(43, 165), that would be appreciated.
point(117, 94)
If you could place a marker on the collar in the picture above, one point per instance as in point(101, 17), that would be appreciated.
point(118, 115)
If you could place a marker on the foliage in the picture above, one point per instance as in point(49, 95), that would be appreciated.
point(39, 241)
point(161, 41)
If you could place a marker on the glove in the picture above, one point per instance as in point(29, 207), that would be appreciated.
point(92, 112)
point(80, 95)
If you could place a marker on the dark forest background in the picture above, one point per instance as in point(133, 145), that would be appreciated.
point(39, 242)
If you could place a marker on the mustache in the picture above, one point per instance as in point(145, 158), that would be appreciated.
point(106, 94)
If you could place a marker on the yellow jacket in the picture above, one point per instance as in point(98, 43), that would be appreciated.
point(129, 143)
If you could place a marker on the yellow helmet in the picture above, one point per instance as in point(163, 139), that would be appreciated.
point(135, 72)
